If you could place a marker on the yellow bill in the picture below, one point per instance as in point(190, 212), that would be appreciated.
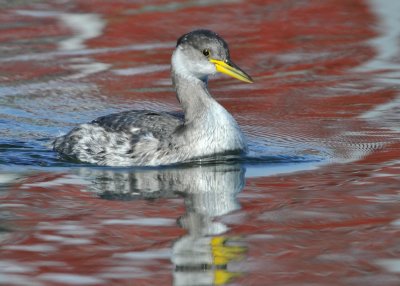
point(232, 70)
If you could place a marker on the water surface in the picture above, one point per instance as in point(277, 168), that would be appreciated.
point(316, 201)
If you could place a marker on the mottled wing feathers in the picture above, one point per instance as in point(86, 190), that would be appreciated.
point(159, 124)
point(121, 139)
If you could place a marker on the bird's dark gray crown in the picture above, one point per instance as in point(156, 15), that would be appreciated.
point(201, 39)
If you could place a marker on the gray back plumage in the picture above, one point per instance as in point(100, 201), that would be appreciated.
point(160, 124)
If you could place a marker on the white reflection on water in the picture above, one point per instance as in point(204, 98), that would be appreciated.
point(71, 279)
point(84, 27)
point(141, 70)
point(391, 265)
point(387, 43)
point(147, 221)
point(86, 52)
point(387, 47)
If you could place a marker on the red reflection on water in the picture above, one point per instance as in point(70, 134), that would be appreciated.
point(63, 229)
point(327, 226)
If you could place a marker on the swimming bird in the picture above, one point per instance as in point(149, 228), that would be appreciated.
point(149, 138)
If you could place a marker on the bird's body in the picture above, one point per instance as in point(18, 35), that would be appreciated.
point(148, 138)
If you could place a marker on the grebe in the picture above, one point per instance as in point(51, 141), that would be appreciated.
point(148, 138)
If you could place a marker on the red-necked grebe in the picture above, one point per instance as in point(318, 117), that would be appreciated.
point(148, 138)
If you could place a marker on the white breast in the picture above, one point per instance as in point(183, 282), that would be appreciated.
point(216, 132)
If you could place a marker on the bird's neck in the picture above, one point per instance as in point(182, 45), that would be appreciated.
point(208, 128)
point(193, 96)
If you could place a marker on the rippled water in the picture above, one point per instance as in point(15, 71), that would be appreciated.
point(315, 202)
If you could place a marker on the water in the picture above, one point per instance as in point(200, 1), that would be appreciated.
point(315, 202)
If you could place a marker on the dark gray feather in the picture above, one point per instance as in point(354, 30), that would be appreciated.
point(160, 124)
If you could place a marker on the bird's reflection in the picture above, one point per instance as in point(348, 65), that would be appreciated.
point(203, 255)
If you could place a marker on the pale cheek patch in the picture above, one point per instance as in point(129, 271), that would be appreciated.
point(189, 68)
